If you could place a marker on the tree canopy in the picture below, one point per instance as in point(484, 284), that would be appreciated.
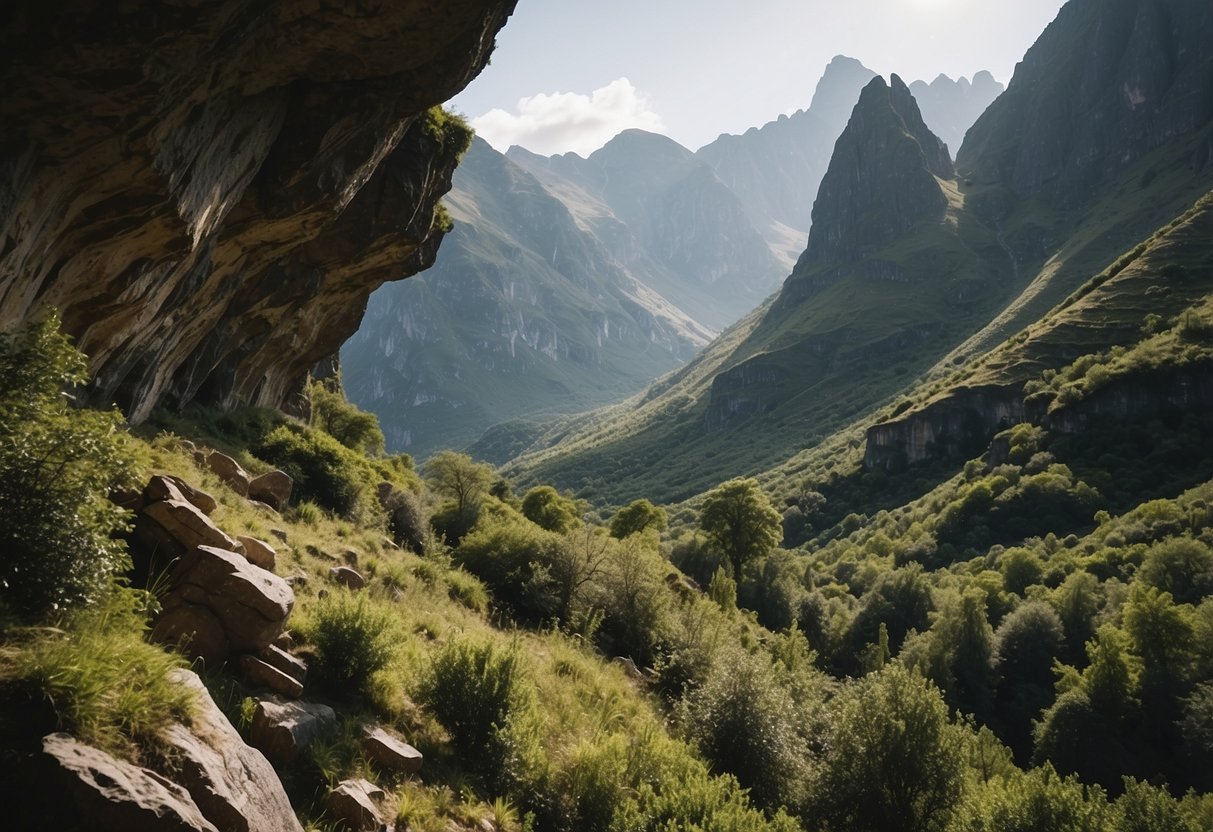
point(739, 518)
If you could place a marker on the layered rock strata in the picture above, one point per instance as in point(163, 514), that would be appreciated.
point(209, 192)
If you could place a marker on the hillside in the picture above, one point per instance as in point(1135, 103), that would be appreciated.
point(1012, 242)
point(523, 314)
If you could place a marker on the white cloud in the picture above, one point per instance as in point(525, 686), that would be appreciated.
point(565, 121)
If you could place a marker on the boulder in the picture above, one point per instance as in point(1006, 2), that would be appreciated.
point(264, 508)
point(282, 729)
point(174, 488)
point(260, 674)
point(279, 533)
point(229, 470)
point(347, 577)
point(390, 752)
point(259, 552)
point(233, 784)
point(357, 802)
point(273, 489)
point(211, 585)
point(277, 657)
point(186, 525)
point(115, 796)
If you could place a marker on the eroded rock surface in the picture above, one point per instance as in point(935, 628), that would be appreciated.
point(209, 192)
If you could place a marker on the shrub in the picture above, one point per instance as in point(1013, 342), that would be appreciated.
point(407, 521)
point(324, 470)
point(56, 463)
point(637, 516)
point(745, 723)
point(355, 429)
point(547, 508)
point(354, 638)
point(481, 695)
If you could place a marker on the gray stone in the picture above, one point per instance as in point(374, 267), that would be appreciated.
point(229, 470)
point(282, 729)
point(233, 784)
point(277, 656)
point(184, 523)
point(116, 796)
point(174, 488)
point(261, 674)
point(250, 604)
point(259, 552)
point(347, 577)
point(273, 489)
point(357, 802)
point(391, 752)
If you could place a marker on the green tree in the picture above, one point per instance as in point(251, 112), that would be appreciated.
point(464, 482)
point(549, 509)
point(1028, 641)
point(893, 762)
point(57, 528)
point(336, 416)
point(637, 516)
point(739, 518)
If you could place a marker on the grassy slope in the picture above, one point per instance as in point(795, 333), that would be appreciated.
point(613, 445)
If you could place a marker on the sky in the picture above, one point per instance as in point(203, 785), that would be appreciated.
point(570, 74)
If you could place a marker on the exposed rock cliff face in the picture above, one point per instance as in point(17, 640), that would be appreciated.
point(881, 179)
point(950, 107)
point(1072, 118)
point(209, 192)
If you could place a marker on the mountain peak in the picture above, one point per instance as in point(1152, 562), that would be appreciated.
point(881, 179)
point(836, 90)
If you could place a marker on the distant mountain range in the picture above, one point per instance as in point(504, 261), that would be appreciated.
point(569, 283)
point(916, 265)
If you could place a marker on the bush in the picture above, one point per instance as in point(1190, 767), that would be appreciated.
point(547, 508)
point(745, 723)
point(355, 429)
point(325, 471)
point(354, 638)
point(57, 528)
point(406, 518)
point(481, 695)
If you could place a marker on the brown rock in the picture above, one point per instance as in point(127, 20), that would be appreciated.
point(279, 533)
point(357, 802)
point(174, 488)
point(347, 577)
point(261, 674)
point(185, 524)
point(229, 470)
point(350, 556)
point(391, 752)
point(277, 657)
point(233, 784)
point(250, 604)
point(281, 730)
point(115, 796)
point(259, 552)
point(264, 508)
point(273, 488)
point(388, 543)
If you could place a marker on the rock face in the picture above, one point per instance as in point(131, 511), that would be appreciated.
point(232, 784)
point(1072, 119)
point(104, 793)
point(881, 180)
point(220, 603)
point(210, 194)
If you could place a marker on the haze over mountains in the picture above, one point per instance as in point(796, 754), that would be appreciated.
point(569, 283)
point(911, 265)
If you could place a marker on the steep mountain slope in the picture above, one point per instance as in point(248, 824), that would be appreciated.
point(775, 169)
point(523, 313)
point(950, 107)
point(1086, 152)
point(209, 193)
point(665, 215)
point(865, 290)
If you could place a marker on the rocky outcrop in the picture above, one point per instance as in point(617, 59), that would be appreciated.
point(957, 428)
point(881, 180)
point(1105, 84)
point(86, 788)
point(233, 785)
point(209, 192)
point(219, 603)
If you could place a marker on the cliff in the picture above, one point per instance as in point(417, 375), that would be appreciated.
point(210, 192)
